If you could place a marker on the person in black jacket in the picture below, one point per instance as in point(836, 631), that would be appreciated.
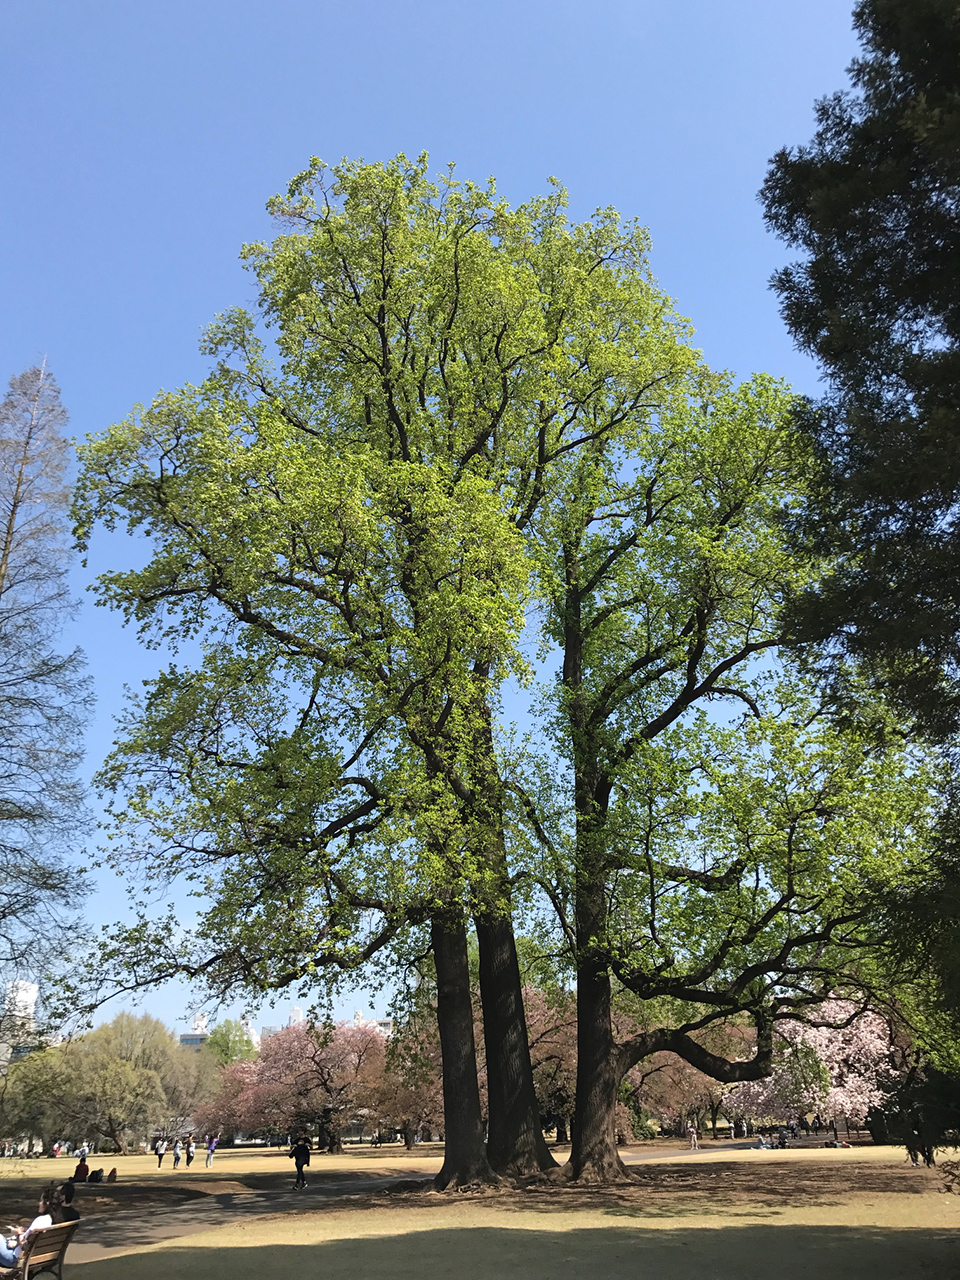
point(63, 1203)
point(300, 1152)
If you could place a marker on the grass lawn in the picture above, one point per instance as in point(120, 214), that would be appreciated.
point(860, 1214)
point(141, 1185)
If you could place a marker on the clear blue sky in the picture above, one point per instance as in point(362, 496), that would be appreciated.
point(141, 138)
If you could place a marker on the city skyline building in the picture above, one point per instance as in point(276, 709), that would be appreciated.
point(18, 1020)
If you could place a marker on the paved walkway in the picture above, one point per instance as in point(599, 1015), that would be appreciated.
point(108, 1235)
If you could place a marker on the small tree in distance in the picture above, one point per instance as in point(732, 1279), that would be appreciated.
point(229, 1042)
point(317, 1080)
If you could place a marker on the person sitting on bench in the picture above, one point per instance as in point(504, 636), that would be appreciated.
point(11, 1249)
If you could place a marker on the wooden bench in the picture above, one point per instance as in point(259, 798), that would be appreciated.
point(44, 1251)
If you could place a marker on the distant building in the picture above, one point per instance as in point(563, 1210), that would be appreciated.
point(296, 1017)
point(267, 1032)
point(385, 1025)
point(199, 1036)
point(22, 1001)
point(250, 1031)
point(17, 1021)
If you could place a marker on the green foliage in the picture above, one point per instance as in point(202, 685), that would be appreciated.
point(709, 841)
point(480, 421)
point(115, 1083)
point(229, 1043)
point(919, 927)
point(344, 532)
point(922, 1114)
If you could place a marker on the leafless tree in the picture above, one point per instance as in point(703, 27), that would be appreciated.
point(44, 695)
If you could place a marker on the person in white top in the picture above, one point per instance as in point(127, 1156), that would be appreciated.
point(11, 1248)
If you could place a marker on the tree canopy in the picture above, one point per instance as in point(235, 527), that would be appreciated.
point(114, 1084)
point(230, 1042)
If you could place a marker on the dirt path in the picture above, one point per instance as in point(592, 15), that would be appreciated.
point(108, 1235)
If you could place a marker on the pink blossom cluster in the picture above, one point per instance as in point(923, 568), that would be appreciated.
point(836, 1064)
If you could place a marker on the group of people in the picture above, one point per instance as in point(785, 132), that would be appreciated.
point(185, 1146)
point(32, 1147)
point(55, 1206)
point(65, 1149)
point(83, 1173)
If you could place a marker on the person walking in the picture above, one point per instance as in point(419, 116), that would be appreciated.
point(177, 1152)
point(694, 1140)
point(161, 1150)
point(191, 1150)
point(211, 1148)
point(301, 1158)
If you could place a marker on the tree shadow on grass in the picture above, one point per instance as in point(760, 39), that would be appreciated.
point(362, 1177)
point(608, 1253)
point(669, 1191)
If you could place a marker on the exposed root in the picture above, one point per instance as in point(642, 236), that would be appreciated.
point(594, 1175)
point(474, 1180)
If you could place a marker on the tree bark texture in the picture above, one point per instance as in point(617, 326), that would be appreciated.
point(594, 1156)
point(464, 1156)
point(515, 1142)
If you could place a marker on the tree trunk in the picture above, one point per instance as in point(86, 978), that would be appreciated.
point(515, 1141)
point(464, 1157)
point(116, 1135)
point(331, 1134)
point(714, 1114)
point(594, 1157)
point(562, 1135)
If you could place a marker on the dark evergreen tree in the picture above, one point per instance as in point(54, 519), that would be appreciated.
point(874, 203)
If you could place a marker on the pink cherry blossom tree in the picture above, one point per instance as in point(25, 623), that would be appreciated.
point(310, 1078)
point(839, 1064)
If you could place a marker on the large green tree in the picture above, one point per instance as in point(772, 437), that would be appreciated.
point(705, 844)
point(873, 203)
point(343, 530)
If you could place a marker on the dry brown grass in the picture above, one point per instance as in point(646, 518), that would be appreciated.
point(861, 1214)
